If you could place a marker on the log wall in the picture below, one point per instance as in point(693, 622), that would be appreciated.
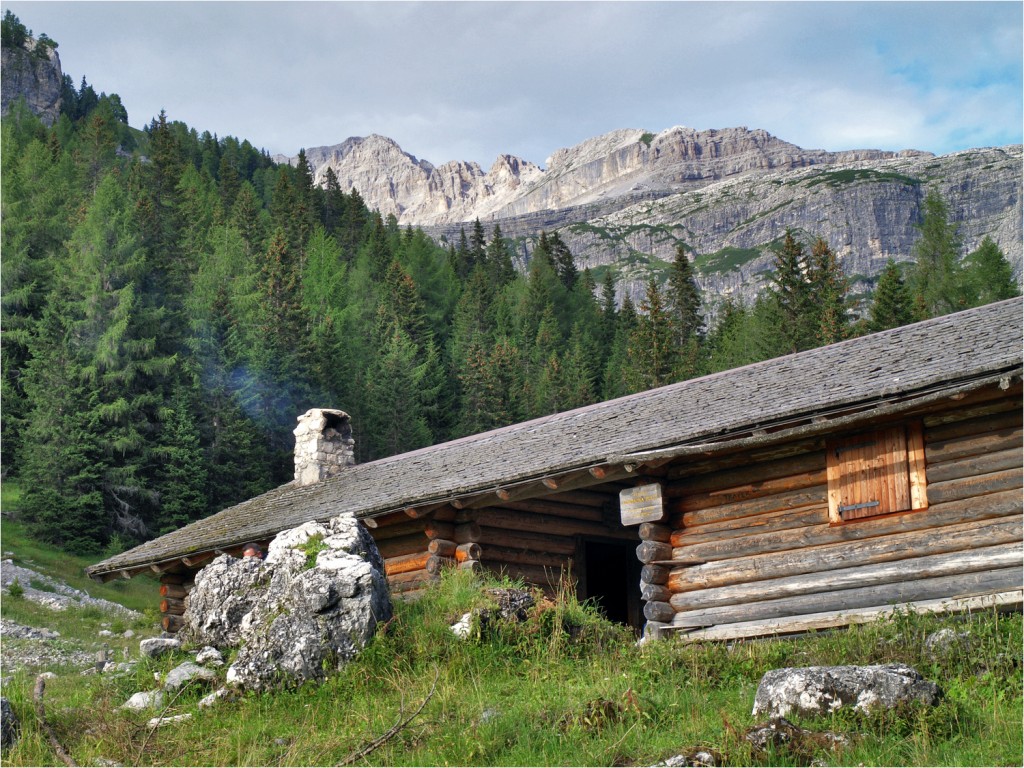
point(750, 550)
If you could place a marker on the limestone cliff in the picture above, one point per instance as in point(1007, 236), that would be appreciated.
point(629, 197)
point(36, 78)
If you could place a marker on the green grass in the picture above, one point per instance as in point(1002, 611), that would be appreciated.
point(563, 688)
point(725, 260)
point(851, 175)
point(138, 594)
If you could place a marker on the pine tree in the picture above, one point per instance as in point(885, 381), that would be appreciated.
point(683, 298)
point(893, 305)
point(651, 352)
point(988, 276)
point(827, 299)
point(562, 260)
point(936, 280)
point(395, 420)
point(499, 259)
point(789, 289)
point(614, 381)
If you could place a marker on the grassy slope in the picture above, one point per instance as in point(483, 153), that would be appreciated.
point(564, 688)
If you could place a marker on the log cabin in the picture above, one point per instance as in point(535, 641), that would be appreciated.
point(809, 491)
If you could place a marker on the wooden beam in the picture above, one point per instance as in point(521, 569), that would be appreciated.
point(872, 574)
point(1011, 599)
point(193, 561)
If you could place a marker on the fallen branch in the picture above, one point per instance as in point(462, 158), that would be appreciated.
point(50, 735)
point(394, 730)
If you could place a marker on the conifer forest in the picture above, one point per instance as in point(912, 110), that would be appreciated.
point(173, 300)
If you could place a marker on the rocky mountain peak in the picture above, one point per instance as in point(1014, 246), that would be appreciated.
point(33, 74)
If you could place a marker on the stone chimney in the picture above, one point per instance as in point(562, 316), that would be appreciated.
point(323, 445)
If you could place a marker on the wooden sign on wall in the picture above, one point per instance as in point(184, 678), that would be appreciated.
point(642, 504)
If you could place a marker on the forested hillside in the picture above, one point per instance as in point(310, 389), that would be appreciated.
point(172, 300)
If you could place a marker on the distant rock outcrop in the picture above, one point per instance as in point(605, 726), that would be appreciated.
point(629, 197)
point(34, 77)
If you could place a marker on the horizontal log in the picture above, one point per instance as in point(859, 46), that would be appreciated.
point(437, 564)
point(525, 540)
point(972, 487)
point(172, 623)
point(654, 532)
point(404, 578)
point(687, 483)
point(946, 564)
point(403, 528)
point(782, 520)
point(506, 555)
point(386, 520)
point(735, 494)
point(937, 515)
point(775, 502)
point(197, 560)
point(584, 498)
point(174, 590)
point(961, 447)
point(414, 562)
point(470, 551)
point(439, 529)
point(985, 419)
point(694, 469)
point(172, 605)
point(1012, 458)
point(1011, 599)
point(442, 547)
point(956, 585)
point(657, 593)
point(470, 565)
point(550, 525)
point(654, 574)
point(402, 545)
point(648, 551)
point(655, 611)
point(552, 506)
point(889, 545)
point(466, 533)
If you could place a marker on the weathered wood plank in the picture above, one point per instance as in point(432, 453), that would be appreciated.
point(985, 558)
point(655, 611)
point(692, 469)
point(747, 491)
point(654, 532)
point(405, 563)
point(996, 580)
point(939, 514)
point(442, 547)
point(654, 574)
point(824, 620)
point(688, 482)
point(402, 545)
point(552, 507)
point(975, 421)
point(402, 528)
point(525, 557)
point(410, 576)
point(891, 544)
point(804, 497)
point(917, 466)
point(648, 551)
point(972, 487)
point(960, 447)
point(549, 524)
point(1012, 458)
point(503, 537)
point(782, 520)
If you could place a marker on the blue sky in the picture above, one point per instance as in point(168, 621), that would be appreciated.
point(470, 80)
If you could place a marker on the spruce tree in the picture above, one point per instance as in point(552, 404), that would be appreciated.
point(892, 304)
point(936, 280)
point(827, 300)
point(789, 289)
point(988, 276)
point(651, 351)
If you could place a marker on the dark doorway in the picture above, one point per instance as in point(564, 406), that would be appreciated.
point(611, 578)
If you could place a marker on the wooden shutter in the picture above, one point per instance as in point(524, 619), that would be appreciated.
point(876, 473)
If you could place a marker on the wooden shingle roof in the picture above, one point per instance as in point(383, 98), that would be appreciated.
point(905, 361)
